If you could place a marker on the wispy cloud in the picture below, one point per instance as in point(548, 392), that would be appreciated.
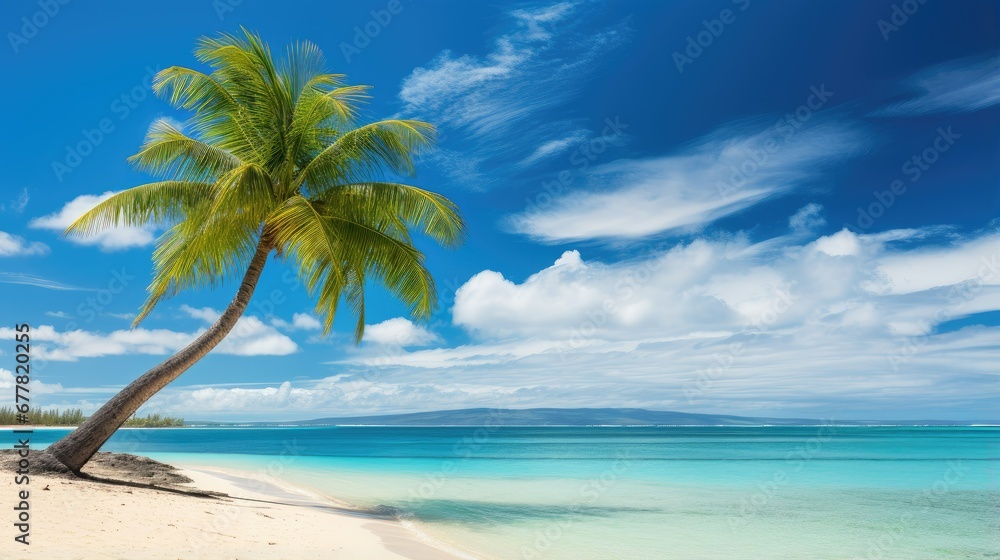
point(494, 105)
point(959, 86)
point(37, 281)
point(109, 240)
point(555, 147)
point(719, 175)
point(17, 205)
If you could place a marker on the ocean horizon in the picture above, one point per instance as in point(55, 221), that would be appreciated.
point(681, 492)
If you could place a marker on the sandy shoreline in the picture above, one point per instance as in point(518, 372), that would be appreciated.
point(199, 512)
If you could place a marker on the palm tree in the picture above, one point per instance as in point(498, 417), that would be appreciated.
point(272, 164)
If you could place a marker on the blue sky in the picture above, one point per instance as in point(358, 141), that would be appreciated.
point(744, 207)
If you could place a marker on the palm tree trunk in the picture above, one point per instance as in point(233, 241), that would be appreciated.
point(79, 446)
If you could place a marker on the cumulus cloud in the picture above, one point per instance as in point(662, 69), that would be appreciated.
point(718, 325)
point(300, 322)
point(109, 240)
point(719, 175)
point(957, 86)
point(16, 246)
point(399, 332)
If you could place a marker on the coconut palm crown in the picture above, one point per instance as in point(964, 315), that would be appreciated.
point(270, 162)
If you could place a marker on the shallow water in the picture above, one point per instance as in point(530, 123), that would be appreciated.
point(638, 492)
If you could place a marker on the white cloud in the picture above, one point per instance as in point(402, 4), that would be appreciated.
point(926, 268)
point(37, 281)
point(841, 244)
point(555, 147)
point(108, 240)
point(206, 314)
point(957, 86)
point(399, 332)
point(721, 174)
point(808, 219)
point(493, 105)
point(831, 323)
point(306, 322)
point(250, 337)
point(16, 246)
point(35, 387)
point(18, 204)
point(300, 322)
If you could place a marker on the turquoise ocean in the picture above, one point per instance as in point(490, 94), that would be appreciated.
point(813, 492)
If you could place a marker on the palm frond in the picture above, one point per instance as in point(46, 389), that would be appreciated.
point(366, 152)
point(152, 203)
point(169, 152)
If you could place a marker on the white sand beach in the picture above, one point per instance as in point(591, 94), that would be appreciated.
point(258, 517)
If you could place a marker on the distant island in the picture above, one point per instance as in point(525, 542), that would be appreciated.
point(570, 417)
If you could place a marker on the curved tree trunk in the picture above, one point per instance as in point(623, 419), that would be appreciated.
point(79, 446)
